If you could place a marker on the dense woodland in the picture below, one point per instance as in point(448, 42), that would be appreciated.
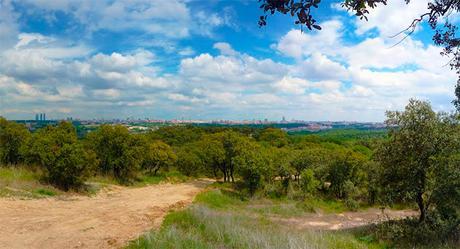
point(416, 164)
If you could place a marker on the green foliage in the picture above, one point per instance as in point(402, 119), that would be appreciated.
point(67, 164)
point(210, 150)
point(419, 161)
point(249, 164)
point(345, 169)
point(13, 136)
point(177, 135)
point(119, 153)
point(158, 155)
point(308, 182)
point(273, 137)
point(189, 163)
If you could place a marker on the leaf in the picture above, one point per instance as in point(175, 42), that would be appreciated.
point(317, 27)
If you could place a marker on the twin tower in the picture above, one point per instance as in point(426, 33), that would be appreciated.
point(40, 117)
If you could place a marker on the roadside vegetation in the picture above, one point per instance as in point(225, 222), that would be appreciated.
point(266, 172)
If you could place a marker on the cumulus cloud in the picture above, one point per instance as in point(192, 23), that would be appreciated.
point(319, 75)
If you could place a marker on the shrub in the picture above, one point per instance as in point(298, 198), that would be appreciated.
point(67, 164)
point(411, 232)
point(352, 204)
point(308, 182)
point(158, 155)
point(118, 152)
point(12, 137)
point(189, 163)
point(70, 168)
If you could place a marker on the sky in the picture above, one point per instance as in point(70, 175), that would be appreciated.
point(209, 60)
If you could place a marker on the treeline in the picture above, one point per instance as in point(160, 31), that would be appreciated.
point(417, 162)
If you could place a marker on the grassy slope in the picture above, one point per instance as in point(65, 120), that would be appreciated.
point(222, 219)
point(25, 183)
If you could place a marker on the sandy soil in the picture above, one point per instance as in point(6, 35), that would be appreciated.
point(345, 220)
point(108, 220)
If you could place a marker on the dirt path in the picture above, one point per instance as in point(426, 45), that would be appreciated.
point(345, 220)
point(108, 220)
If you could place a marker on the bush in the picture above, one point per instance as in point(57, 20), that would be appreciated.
point(66, 163)
point(352, 204)
point(308, 182)
point(70, 168)
point(189, 163)
point(118, 152)
point(12, 137)
point(411, 232)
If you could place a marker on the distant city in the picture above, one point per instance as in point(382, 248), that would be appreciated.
point(145, 124)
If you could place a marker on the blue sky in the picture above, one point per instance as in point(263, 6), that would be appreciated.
point(210, 60)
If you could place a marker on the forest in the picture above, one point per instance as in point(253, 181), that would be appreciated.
point(414, 164)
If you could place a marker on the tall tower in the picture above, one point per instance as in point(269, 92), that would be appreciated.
point(44, 116)
point(36, 117)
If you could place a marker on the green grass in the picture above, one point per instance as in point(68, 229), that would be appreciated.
point(224, 198)
point(19, 181)
point(215, 199)
point(324, 205)
point(45, 192)
point(200, 227)
point(161, 177)
point(221, 218)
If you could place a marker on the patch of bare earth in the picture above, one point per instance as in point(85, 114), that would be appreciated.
point(108, 220)
point(344, 220)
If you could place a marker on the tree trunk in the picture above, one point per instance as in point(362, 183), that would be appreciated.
point(421, 207)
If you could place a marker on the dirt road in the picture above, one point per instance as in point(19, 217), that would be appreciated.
point(345, 220)
point(108, 220)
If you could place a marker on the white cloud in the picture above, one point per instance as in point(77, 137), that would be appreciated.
point(392, 18)
point(297, 44)
point(292, 85)
point(225, 49)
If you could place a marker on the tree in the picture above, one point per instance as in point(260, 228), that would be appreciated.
point(418, 161)
point(304, 159)
point(12, 137)
point(177, 135)
point(345, 171)
point(64, 158)
point(437, 15)
point(118, 152)
point(188, 162)
point(249, 163)
point(212, 153)
point(158, 155)
point(274, 137)
point(234, 145)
